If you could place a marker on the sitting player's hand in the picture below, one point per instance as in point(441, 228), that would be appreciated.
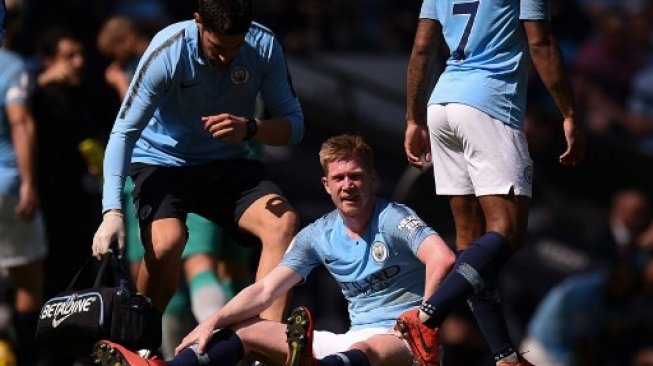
point(199, 337)
point(111, 229)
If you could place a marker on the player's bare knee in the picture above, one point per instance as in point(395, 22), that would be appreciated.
point(165, 252)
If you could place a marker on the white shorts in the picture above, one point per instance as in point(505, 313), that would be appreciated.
point(474, 153)
point(327, 343)
point(21, 242)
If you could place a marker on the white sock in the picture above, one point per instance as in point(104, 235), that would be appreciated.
point(206, 300)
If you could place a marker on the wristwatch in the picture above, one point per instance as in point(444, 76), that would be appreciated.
point(252, 128)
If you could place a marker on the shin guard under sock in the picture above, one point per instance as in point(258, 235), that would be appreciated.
point(481, 260)
point(486, 307)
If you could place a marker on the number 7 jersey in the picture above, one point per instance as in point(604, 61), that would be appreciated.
point(488, 64)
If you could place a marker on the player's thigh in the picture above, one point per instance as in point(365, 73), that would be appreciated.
point(263, 338)
point(386, 350)
point(497, 155)
point(447, 153)
point(163, 239)
point(160, 201)
point(270, 214)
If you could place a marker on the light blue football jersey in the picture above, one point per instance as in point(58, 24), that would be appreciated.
point(14, 89)
point(379, 274)
point(174, 87)
point(488, 65)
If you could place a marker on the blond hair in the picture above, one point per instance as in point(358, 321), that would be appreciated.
point(343, 147)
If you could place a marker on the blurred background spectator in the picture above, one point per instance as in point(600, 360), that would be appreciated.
point(348, 60)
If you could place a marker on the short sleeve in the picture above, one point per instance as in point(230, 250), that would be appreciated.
point(534, 10)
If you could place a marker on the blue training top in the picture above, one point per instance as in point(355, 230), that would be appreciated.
point(14, 89)
point(174, 87)
point(488, 65)
point(379, 274)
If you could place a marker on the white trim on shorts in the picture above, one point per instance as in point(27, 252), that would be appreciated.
point(21, 242)
point(474, 153)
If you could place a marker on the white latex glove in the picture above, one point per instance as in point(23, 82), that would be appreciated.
point(111, 229)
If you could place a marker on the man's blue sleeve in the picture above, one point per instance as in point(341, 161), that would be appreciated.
point(149, 85)
point(301, 257)
point(428, 10)
point(279, 95)
point(404, 225)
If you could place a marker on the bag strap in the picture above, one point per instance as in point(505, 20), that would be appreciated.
point(111, 265)
point(121, 275)
point(89, 261)
point(103, 267)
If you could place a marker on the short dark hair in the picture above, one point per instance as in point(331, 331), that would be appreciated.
point(226, 16)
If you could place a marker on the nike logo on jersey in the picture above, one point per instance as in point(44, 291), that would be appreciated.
point(329, 260)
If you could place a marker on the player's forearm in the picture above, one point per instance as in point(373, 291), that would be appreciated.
point(279, 130)
point(422, 68)
point(116, 162)
point(549, 65)
point(257, 297)
point(437, 268)
point(247, 304)
point(417, 93)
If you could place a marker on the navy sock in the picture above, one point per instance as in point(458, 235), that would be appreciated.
point(25, 326)
point(486, 307)
point(225, 348)
point(480, 261)
point(352, 357)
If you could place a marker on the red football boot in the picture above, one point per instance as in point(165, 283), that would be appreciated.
point(107, 353)
point(424, 342)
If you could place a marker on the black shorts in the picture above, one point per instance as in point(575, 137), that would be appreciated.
point(220, 191)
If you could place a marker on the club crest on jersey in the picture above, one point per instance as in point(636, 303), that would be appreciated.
point(410, 223)
point(239, 75)
point(379, 251)
point(145, 212)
